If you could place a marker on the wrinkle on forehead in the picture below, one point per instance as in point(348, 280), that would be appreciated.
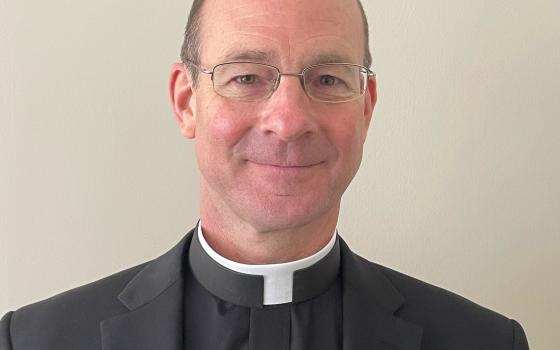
point(288, 26)
point(284, 12)
point(302, 11)
point(269, 20)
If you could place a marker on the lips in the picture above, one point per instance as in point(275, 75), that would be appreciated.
point(285, 172)
point(284, 165)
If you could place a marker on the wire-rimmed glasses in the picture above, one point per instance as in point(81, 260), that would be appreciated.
point(326, 82)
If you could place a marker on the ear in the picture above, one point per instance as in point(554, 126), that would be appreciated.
point(183, 101)
point(370, 101)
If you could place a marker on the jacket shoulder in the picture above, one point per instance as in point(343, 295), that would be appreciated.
point(448, 318)
point(5, 338)
point(75, 314)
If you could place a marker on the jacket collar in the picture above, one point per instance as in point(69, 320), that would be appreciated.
point(154, 298)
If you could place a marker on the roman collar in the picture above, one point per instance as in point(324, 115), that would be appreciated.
point(260, 285)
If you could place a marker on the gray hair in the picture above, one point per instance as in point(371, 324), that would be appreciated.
point(190, 51)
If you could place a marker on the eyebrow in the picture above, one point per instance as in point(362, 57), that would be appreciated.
point(327, 57)
point(251, 55)
point(270, 57)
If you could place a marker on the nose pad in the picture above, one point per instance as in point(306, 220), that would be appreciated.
point(275, 85)
point(294, 75)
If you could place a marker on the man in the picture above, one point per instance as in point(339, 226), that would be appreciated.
point(278, 97)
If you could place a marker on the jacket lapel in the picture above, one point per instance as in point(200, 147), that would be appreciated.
point(155, 300)
point(369, 302)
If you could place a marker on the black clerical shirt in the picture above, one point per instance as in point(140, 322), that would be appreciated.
point(213, 323)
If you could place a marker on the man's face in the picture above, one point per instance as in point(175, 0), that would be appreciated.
point(283, 162)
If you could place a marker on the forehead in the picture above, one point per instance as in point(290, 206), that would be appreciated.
point(284, 32)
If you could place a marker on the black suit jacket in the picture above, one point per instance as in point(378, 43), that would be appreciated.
point(142, 308)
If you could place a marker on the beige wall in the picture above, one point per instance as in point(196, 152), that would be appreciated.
point(460, 180)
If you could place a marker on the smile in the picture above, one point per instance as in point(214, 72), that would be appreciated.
point(286, 166)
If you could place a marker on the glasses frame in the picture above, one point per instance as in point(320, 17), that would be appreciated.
point(369, 74)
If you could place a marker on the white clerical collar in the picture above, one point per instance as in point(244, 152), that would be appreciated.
point(278, 278)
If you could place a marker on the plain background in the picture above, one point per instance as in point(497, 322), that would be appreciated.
point(460, 180)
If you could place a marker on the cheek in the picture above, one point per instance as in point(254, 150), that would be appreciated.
point(346, 128)
point(351, 147)
point(220, 126)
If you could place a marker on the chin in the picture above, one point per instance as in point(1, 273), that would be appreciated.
point(274, 215)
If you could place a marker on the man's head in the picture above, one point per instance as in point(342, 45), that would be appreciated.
point(190, 51)
point(282, 162)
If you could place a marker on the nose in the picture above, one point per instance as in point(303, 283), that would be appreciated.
point(288, 113)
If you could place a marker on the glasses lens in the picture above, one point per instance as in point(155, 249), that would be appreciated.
point(335, 82)
point(246, 81)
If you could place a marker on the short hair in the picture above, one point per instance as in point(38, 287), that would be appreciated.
point(190, 51)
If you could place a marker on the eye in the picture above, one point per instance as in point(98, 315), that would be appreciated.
point(247, 79)
point(327, 80)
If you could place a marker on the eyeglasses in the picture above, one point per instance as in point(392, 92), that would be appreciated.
point(250, 81)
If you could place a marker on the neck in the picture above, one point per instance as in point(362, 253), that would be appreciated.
point(240, 241)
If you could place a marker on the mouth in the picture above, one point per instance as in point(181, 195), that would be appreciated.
point(286, 166)
point(284, 175)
